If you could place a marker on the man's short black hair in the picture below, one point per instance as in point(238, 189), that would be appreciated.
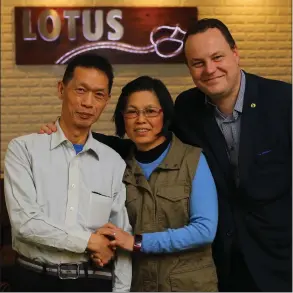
point(207, 23)
point(89, 61)
point(144, 83)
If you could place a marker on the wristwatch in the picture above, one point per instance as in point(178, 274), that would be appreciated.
point(137, 242)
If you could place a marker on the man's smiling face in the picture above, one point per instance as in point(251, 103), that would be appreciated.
point(212, 63)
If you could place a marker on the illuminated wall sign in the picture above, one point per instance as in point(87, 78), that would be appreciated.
point(45, 35)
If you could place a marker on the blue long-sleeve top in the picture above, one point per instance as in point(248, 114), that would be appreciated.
point(202, 227)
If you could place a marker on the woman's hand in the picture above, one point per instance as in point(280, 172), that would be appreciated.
point(121, 238)
point(48, 128)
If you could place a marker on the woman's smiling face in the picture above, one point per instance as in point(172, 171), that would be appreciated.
point(143, 129)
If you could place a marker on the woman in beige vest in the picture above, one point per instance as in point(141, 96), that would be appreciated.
point(171, 196)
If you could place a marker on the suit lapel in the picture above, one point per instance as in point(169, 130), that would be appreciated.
point(216, 142)
point(248, 126)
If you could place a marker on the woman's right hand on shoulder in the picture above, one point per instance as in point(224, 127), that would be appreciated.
point(48, 128)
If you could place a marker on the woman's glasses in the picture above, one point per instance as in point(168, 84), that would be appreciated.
point(147, 112)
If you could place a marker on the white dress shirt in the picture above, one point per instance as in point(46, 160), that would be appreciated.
point(57, 198)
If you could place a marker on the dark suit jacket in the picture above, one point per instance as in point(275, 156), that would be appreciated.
point(258, 213)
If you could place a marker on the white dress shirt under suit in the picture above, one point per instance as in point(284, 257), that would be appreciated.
point(57, 198)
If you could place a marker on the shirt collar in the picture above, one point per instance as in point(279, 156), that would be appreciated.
point(240, 98)
point(92, 144)
point(58, 137)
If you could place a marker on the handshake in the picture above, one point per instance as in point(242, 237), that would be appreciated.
point(103, 243)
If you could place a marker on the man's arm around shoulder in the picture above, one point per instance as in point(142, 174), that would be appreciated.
point(121, 146)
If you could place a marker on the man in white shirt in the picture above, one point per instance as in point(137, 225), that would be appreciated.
point(60, 189)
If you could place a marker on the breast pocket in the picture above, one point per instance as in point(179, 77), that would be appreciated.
point(271, 163)
point(269, 156)
point(99, 210)
point(173, 206)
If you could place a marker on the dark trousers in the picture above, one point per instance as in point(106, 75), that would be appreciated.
point(25, 280)
point(240, 279)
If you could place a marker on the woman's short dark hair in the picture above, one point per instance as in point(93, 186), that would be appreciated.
point(89, 60)
point(207, 23)
point(144, 83)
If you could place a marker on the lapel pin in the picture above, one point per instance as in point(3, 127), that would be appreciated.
point(253, 105)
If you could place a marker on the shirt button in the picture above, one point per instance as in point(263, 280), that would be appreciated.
point(71, 208)
point(73, 185)
point(229, 233)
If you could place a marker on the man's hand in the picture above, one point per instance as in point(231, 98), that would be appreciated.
point(120, 237)
point(48, 128)
point(99, 245)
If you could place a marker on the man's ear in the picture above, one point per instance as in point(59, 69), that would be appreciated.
point(60, 90)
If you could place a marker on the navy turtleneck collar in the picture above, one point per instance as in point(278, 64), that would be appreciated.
point(153, 154)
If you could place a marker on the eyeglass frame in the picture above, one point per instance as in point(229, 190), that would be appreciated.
point(143, 111)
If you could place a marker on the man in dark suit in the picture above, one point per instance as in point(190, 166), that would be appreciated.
point(243, 123)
